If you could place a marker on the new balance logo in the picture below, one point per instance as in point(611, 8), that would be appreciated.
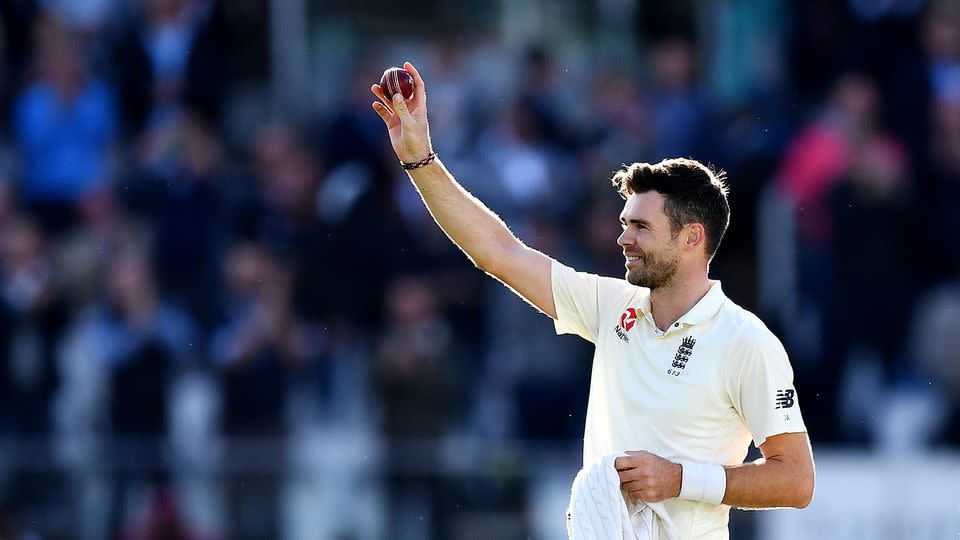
point(785, 398)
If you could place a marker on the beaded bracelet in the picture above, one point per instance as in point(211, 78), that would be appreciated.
point(417, 164)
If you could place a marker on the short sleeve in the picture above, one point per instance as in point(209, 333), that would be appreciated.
point(579, 298)
point(764, 394)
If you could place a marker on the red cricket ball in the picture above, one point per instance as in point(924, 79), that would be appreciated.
point(396, 80)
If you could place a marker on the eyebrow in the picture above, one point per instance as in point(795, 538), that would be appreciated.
point(635, 221)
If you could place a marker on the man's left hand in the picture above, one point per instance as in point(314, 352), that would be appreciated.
point(648, 477)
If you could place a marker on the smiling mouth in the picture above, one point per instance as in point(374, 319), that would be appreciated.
point(631, 259)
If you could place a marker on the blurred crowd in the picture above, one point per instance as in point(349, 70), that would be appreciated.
point(192, 279)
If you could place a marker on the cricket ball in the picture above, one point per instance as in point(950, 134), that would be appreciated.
point(396, 80)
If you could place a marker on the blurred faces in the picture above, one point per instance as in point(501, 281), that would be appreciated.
point(22, 244)
point(651, 249)
point(597, 227)
point(201, 147)
point(130, 281)
point(243, 269)
point(416, 335)
point(252, 273)
point(855, 98)
point(879, 169)
point(942, 35)
point(27, 272)
point(286, 169)
point(59, 57)
point(410, 300)
point(672, 64)
point(164, 10)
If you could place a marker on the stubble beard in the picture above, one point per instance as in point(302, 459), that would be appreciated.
point(654, 272)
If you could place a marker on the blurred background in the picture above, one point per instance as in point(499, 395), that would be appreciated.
point(224, 312)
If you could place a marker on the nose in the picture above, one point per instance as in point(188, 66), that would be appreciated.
point(625, 238)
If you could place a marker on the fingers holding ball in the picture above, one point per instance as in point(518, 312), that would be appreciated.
point(396, 81)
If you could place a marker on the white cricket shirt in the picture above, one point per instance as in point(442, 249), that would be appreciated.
point(699, 391)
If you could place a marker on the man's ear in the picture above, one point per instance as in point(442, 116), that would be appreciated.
point(695, 235)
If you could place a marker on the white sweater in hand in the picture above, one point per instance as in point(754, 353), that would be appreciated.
point(599, 510)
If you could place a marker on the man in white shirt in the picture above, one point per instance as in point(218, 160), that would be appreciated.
point(683, 378)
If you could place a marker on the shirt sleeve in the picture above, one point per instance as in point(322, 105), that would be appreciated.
point(579, 298)
point(764, 394)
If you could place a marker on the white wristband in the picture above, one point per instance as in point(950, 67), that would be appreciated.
point(703, 482)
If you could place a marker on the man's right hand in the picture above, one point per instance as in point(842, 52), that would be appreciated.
point(471, 225)
point(406, 120)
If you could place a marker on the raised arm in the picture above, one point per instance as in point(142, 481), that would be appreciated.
point(473, 227)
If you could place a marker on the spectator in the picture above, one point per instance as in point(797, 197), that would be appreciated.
point(263, 348)
point(104, 226)
point(263, 342)
point(64, 127)
point(169, 59)
point(33, 317)
point(292, 193)
point(142, 341)
point(819, 155)
point(417, 378)
point(188, 193)
point(524, 164)
point(871, 211)
point(541, 99)
point(623, 122)
point(678, 111)
point(417, 370)
point(935, 347)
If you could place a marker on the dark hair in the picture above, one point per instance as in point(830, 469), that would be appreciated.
point(694, 193)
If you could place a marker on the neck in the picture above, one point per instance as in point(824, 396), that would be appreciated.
point(671, 302)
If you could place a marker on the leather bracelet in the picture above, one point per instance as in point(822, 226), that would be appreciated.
point(417, 164)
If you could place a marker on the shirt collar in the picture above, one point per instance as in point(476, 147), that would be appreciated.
point(707, 307)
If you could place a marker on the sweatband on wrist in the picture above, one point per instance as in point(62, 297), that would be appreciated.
point(703, 482)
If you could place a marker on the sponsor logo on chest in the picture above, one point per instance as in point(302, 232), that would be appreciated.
point(627, 321)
